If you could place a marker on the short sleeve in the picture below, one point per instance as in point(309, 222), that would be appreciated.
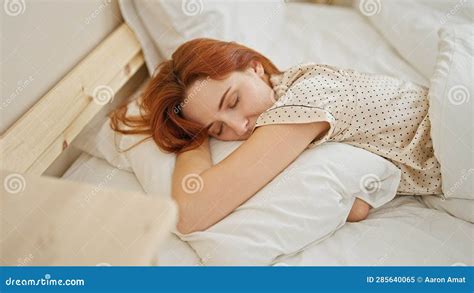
point(310, 93)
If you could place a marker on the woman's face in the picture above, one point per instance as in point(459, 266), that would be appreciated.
point(229, 107)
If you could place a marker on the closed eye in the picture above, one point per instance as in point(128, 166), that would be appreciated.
point(235, 104)
point(231, 107)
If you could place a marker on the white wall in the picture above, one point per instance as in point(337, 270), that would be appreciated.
point(42, 40)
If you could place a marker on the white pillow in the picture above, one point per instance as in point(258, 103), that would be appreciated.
point(97, 139)
point(152, 167)
point(307, 202)
point(451, 110)
point(411, 26)
point(161, 26)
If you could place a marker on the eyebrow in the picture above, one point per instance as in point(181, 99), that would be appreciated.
point(220, 105)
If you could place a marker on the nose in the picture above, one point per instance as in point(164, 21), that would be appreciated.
point(240, 127)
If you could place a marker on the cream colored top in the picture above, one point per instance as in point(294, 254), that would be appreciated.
point(384, 115)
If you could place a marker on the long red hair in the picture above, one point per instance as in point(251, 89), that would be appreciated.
point(160, 115)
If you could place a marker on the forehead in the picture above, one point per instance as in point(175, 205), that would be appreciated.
point(202, 99)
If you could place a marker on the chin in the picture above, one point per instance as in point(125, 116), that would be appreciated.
point(241, 138)
point(247, 136)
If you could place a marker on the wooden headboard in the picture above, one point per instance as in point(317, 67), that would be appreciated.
point(33, 142)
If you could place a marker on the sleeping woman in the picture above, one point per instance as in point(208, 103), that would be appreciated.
point(230, 92)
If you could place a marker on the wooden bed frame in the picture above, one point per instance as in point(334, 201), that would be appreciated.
point(35, 140)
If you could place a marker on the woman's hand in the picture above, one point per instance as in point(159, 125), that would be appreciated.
point(360, 211)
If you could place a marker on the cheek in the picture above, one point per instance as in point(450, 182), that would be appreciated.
point(251, 94)
point(257, 97)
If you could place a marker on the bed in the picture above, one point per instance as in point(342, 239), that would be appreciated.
point(408, 230)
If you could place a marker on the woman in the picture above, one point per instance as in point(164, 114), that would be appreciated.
point(227, 91)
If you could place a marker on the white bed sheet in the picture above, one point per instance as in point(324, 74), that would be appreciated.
point(404, 232)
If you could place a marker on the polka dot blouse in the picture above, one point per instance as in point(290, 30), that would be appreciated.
point(381, 114)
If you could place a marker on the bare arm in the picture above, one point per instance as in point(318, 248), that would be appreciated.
point(231, 182)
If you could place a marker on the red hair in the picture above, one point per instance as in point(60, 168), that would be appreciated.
point(161, 101)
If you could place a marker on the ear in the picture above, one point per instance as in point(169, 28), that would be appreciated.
point(257, 67)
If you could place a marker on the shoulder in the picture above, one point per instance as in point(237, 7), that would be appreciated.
point(300, 76)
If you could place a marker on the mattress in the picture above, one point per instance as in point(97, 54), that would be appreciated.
point(404, 232)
